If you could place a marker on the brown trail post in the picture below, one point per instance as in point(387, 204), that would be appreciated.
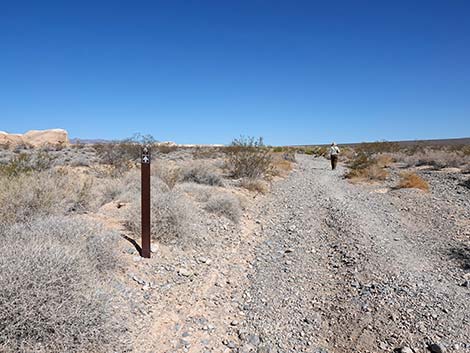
point(145, 201)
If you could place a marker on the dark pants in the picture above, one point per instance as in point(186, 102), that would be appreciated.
point(334, 161)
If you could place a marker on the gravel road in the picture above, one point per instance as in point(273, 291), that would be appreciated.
point(358, 268)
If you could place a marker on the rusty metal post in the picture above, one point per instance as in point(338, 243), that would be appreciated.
point(145, 201)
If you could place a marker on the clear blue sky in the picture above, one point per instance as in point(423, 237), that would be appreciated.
point(295, 72)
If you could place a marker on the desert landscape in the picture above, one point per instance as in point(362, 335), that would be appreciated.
point(255, 248)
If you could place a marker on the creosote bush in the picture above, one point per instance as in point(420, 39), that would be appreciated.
point(53, 292)
point(249, 158)
point(366, 168)
point(412, 180)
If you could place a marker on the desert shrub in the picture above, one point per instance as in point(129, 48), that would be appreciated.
point(248, 158)
point(364, 167)
point(201, 174)
point(384, 160)
point(370, 148)
point(224, 204)
point(26, 163)
point(280, 165)
point(53, 293)
point(199, 192)
point(412, 180)
point(256, 185)
point(165, 148)
point(122, 155)
point(309, 152)
point(436, 158)
point(289, 155)
point(372, 172)
point(206, 152)
point(278, 149)
point(169, 174)
point(41, 194)
point(169, 214)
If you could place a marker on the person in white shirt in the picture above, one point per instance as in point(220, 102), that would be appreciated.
point(334, 152)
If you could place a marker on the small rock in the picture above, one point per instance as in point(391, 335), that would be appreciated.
point(253, 340)
point(436, 348)
point(234, 323)
point(185, 272)
point(288, 251)
point(405, 350)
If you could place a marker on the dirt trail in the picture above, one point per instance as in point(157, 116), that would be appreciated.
point(351, 268)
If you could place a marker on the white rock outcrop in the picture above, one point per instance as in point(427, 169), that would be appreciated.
point(35, 138)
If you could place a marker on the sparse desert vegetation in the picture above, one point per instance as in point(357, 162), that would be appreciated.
point(412, 180)
point(72, 279)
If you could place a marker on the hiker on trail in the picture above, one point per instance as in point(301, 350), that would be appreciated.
point(334, 152)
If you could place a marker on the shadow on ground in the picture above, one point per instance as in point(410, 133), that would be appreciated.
point(461, 254)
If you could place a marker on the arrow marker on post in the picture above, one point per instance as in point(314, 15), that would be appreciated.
point(145, 201)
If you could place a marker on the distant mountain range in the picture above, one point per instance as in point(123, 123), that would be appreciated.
point(436, 142)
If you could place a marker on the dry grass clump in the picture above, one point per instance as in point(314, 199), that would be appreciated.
point(249, 158)
point(280, 165)
point(384, 160)
point(255, 185)
point(170, 215)
point(53, 293)
point(226, 205)
point(201, 174)
point(412, 180)
point(43, 193)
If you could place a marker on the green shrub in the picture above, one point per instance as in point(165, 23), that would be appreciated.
point(26, 163)
point(249, 158)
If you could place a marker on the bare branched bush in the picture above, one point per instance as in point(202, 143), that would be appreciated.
point(201, 174)
point(169, 174)
point(412, 180)
point(170, 216)
point(53, 293)
point(249, 158)
point(122, 155)
point(226, 205)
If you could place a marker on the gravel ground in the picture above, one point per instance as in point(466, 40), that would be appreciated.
point(359, 268)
